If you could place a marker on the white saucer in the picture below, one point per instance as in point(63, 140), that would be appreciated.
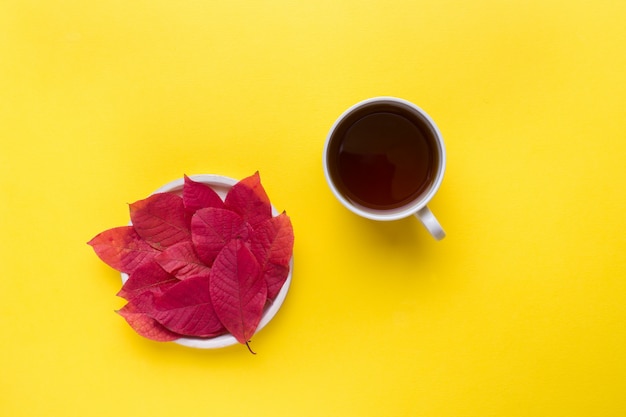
point(221, 185)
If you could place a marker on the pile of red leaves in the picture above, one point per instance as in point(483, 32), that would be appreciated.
point(200, 266)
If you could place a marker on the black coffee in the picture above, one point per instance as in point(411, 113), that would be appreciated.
point(383, 156)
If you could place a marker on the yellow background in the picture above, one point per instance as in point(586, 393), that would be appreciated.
point(520, 311)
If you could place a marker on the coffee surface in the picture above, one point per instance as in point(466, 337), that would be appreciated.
point(382, 159)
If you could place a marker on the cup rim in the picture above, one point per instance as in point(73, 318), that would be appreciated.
point(403, 211)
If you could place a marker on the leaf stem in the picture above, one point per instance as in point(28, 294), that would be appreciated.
point(249, 348)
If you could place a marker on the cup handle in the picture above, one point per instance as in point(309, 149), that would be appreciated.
point(430, 222)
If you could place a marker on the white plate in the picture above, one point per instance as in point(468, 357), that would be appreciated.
point(221, 185)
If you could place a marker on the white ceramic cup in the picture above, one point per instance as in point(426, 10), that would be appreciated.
point(417, 206)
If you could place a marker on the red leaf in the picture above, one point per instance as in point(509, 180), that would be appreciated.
point(249, 200)
point(135, 314)
point(272, 240)
point(197, 195)
point(182, 261)
point(148, 277)
point(275, 276)
point(186, 309)
point(272, 245)
point(212, 229)
point(161, 220)
point(238, 291)
point(122, 249)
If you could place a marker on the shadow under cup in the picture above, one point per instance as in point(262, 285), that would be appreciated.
point(384, 158)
